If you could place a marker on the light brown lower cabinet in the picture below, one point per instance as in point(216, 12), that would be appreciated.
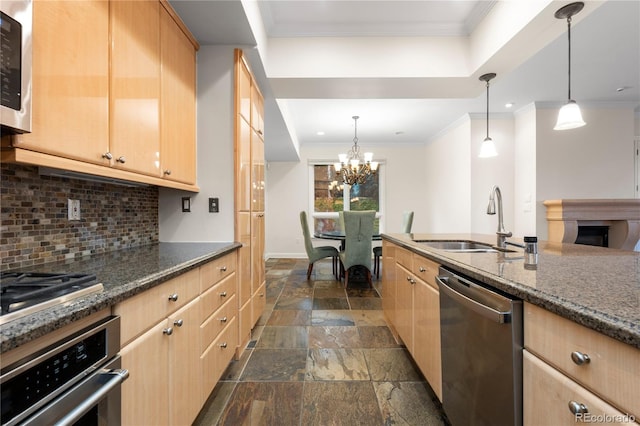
point(551, 398)
point(178, 338)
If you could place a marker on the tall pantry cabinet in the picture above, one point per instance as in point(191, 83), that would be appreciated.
point(249, 193)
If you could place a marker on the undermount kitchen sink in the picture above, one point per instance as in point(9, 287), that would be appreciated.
point(459, 246)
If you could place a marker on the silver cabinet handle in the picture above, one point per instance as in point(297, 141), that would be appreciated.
point(422, 269)
point(409, 279)
point(168, 331)
point(223, 268)
point(107, 156)
point(167, 172)
point(178, 323)
point(223, 345)
point(121, 160)
point(223, 294)
point(223, 319)
point(174, 297)
point(580, 358)
point(260, 132)
point(577, 408)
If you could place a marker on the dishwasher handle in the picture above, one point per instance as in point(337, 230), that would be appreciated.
point(447, 285)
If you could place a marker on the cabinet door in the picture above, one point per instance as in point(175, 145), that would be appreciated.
point(404, 306)
point(178, 102)
point(257, 251)
point(426, 334)
point(135, 85)
point(257, 172)
point(184, 364)
point(243, 165)
point(389, 282)
point(547, 395)
point(257, 111)
point(243, 88)
point(145, 394)
point(70, 80)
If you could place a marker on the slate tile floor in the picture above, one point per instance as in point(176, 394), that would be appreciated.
point(321, 355)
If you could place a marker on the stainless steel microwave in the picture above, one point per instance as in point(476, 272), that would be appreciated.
point(16, 23)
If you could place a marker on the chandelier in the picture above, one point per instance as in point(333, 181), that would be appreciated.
point(352, 168)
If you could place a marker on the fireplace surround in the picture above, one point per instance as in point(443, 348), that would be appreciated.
point(620, 217)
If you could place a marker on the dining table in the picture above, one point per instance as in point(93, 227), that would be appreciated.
point(339, 236)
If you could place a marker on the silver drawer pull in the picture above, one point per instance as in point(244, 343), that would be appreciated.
point(422, 269)
point(168, 331)
point(223, 268)
point(409, 279)
point(579, 358)
point(223, 319)
point(174, 297)
point(223, 345)
point(577, 408)
point(223, 294)
point(178, 323)
point(121, 160)
point(107, 156)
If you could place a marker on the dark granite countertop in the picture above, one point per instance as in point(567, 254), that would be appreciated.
point(593, 286)
point(123, 273)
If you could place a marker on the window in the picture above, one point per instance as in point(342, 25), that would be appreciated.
point(330, 196)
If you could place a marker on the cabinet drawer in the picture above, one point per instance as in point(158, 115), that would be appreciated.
point(216, 296)
point(404, 257)
point(216, 322)
point(547, 394)
point(425, 269)
point(218, 355)
point(143, 310)
point(613, 370)
point(216, 270)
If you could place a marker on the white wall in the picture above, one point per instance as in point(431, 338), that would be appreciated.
point(448, 167)
point(594, 161)
point(288, 193)
point(524, 201)
point(215, 157)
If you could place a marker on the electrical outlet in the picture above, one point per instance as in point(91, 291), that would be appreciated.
point(73, 209)
point(213, 205)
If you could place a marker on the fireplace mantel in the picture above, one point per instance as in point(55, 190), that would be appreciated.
point(622, 216)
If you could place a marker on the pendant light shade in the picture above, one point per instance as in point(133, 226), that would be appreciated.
point(487, 148)
point(569, 116)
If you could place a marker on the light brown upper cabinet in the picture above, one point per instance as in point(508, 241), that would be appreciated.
point(135, 86)
point(113, 92)
point(70, 80)
point(178, 102)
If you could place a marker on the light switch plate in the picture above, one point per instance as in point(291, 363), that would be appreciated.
point(73, 209)
point(214, 205)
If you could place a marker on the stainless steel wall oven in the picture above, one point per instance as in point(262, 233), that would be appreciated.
point(75, 381)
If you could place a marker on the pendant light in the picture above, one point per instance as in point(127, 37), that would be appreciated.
point(487, 148)
point(569, 116)
point(353, 168)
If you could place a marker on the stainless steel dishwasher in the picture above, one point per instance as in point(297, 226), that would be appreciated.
point(482, 338)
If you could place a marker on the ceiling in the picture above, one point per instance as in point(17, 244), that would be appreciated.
point(319, 63)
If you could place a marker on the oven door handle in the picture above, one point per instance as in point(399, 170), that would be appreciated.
point(117, 377)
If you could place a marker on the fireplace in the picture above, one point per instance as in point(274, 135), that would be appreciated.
point(608, 223)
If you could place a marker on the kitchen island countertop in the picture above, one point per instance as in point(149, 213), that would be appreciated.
point(123, 273)
point(593, 286)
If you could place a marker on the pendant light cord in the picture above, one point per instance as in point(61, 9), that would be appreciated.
point(487, 109)
point(569, 68)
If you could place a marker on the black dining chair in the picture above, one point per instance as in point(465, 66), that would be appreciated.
point(316, 253)
point(407, 223)
point(358, 230)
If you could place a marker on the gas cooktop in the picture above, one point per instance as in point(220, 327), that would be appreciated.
point(23, 293)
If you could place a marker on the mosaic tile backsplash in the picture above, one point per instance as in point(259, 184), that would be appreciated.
point(35, 228)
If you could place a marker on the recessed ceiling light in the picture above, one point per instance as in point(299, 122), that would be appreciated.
point(320, 133)
point(399, 132)
point(509, 105)
point(623, 88)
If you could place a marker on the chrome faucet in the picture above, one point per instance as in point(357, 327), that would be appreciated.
point(491, 209)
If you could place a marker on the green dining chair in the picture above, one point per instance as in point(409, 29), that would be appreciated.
point(407, 223)
point(316, 253)
point(358, 230)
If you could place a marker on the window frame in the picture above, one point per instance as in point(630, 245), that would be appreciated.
point(380, 214)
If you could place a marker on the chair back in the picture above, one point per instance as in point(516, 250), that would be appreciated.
point(305, 232)
point(407, 221)
point(358, 229)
